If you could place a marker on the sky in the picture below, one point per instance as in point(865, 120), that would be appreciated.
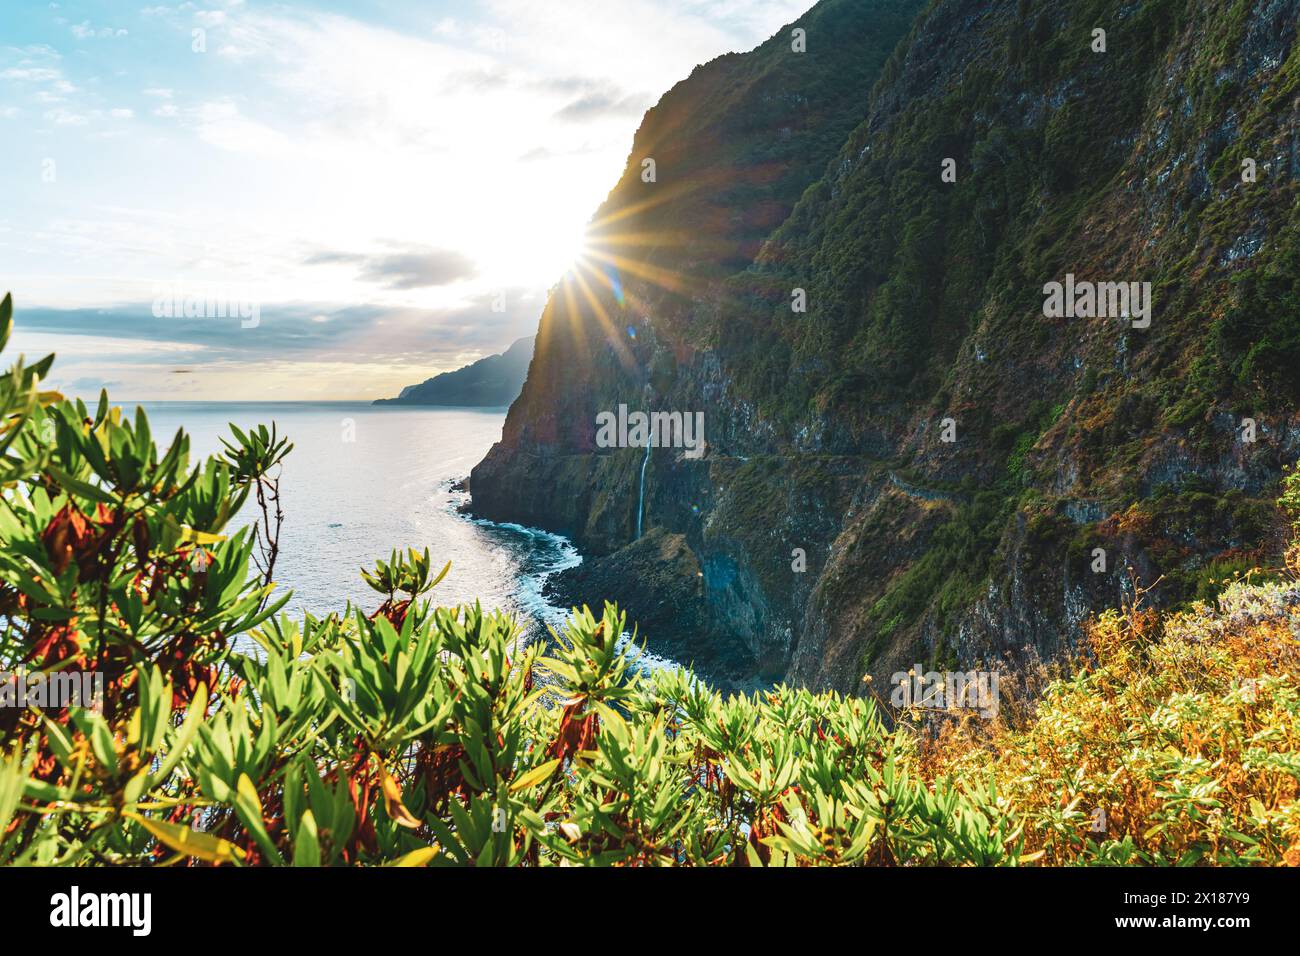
point(352, 196)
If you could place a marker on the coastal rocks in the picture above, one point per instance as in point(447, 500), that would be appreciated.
point(658, 581)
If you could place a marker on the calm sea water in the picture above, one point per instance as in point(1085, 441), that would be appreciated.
point(363, 480)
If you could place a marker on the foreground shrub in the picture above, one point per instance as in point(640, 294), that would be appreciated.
point(1178, 746)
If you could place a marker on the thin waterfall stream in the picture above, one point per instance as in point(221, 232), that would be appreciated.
point(640, 500)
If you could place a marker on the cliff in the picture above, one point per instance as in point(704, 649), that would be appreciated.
point(923, 465)
point(495, 380)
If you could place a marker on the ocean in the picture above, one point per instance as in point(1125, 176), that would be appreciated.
point(362, 480)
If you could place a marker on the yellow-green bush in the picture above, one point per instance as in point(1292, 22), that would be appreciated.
point(1179, 740)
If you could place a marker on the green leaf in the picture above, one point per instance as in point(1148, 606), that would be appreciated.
point(419, 857)
point(189, 841)
point(248, 805)
point(306, 842)
point(184, 737)
point(6, 318)
point(535, 776)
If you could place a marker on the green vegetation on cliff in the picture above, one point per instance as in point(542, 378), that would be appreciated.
point(1170, 157)
point(490, 381)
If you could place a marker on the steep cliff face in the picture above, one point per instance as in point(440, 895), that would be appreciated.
point(923, 466)
point(492, 381)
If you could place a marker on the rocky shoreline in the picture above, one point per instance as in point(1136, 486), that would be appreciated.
point(658, 582)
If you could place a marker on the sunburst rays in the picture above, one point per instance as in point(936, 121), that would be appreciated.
point(615, 274)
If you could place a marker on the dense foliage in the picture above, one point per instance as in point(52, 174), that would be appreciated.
point(229, 733)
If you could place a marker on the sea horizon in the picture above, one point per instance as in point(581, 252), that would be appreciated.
point(498, 409)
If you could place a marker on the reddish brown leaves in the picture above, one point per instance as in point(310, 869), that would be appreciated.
point(394, 611)
point(72, 537)
point(577, 731)
point(440, 766)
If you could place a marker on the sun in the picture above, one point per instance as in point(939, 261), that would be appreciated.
point(535, 258)
point(572, 251)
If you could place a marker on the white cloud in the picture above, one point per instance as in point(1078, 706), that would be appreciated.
point(37, 68)
point(86, 31)
point(41, 50)
point(221, 123)
point(31, 74)
point(65, 117)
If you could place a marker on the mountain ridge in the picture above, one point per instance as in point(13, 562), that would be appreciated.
point(925, 306)
point(491, 381)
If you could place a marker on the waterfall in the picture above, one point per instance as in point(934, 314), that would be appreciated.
point(640, 500)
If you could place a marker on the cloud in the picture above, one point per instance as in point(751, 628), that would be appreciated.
point(291, 331)
point(543, 153)
point(51, 84)
point(85, 31)
point(601, 103)
point(37, 69)
point(61, 116)
point(88, 383)
point(477, 81)
point(409, 269)
point(31, 74)
point(35, 50)
point(64, 117)
point(221, 123)
point(363, 351)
